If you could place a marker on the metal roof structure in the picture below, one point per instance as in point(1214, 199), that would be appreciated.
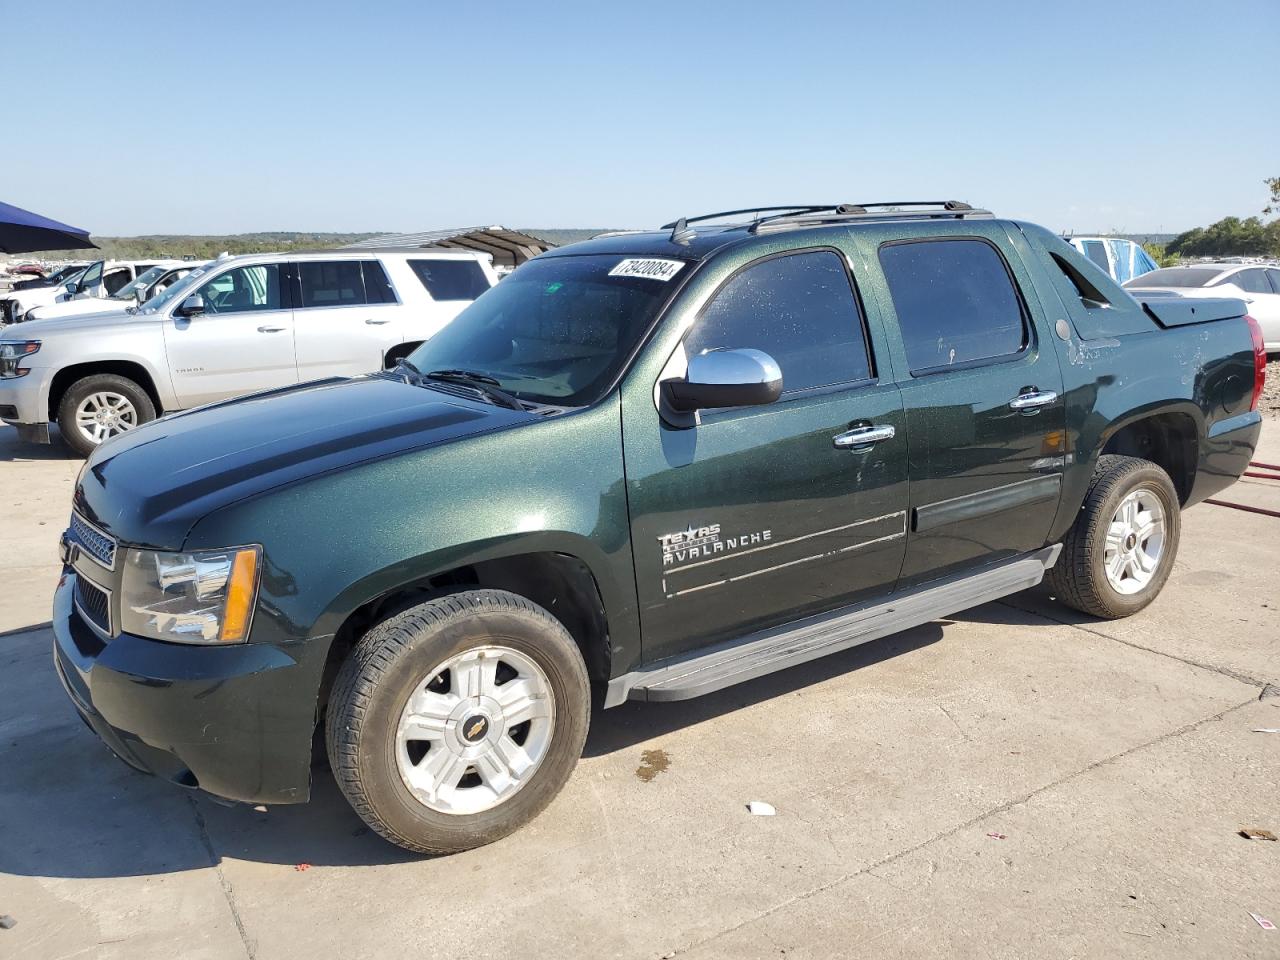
point(509, 248)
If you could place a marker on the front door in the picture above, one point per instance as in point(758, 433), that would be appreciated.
point(346, 318)
point(242, 343)
point(983, 395)
point(755, 516)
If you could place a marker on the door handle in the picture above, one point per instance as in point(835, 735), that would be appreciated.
point(1032, 400)
point(376, 323)
point(271, 329)
point(863, 436)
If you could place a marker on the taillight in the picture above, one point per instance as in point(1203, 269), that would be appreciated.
point(1259, 361)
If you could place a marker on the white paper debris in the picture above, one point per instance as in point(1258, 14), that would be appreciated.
point(1263, 922)
point(1266, 730)
point(761, 809)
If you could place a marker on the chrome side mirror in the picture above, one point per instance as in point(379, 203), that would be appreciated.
point(725, 378)
point(193, 306)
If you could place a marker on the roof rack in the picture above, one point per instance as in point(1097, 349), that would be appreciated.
point(815, 214)
point(889, 210)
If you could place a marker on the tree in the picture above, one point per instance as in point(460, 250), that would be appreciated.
point(1160, 254)
point(1229, 237)
point(1273, 184)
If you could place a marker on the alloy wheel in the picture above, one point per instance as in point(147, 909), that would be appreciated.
point(105, 414)
point(475, 730)
point(1135, 541)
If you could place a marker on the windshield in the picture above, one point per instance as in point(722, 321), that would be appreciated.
point(174, 291)
point(1176, 277)
point(145, 279)
point(558, 329)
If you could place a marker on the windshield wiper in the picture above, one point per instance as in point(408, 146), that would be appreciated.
point(477, 381)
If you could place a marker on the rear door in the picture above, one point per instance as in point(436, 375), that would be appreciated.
point(347, 317)
point(982, 391)
point(1269, 318)
point(1263, 300)
point(243, 342)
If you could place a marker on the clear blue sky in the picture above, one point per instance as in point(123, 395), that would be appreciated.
point(1135, 116)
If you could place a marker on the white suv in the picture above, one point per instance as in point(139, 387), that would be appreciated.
point(238, 325)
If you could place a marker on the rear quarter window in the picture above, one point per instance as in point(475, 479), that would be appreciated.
point(451, 279)
point(955, 300)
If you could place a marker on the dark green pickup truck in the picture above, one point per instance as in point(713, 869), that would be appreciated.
point(650, 465)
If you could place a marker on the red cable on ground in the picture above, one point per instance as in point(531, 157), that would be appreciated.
point(1261, 476)
point(1264, 466)
point(1241, 506)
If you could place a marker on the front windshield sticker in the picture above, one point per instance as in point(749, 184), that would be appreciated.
point(651, 269)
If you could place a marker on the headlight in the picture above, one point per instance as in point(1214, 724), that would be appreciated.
point(205, 597)
point(11, 351)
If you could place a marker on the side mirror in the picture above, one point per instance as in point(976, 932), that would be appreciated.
point(725, 378)
point(193, 306)
point(73, 287)
point(140, 295)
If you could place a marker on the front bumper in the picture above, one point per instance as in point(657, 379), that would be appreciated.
point(235, 721)
point(20, 406)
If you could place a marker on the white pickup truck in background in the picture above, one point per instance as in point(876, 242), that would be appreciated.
point(148, 285)
point(237, 325)
point(99, 279)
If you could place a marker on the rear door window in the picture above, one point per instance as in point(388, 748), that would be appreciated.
point(800, 309)
point(955, 300)
point(377, 288)
point(1274, 277)
point(451, 279)
point(1251, 281)
point(331, 283)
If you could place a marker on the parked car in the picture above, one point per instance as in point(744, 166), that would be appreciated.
point(1121, 259)
point(149, 284)
point(240, 325)
point(661, 463)
point(101, 278)
point(56, 278)
point(1257, 284)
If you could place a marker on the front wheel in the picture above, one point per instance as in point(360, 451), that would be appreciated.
point(98, 407)
point(456, 722)
point(1120, 551)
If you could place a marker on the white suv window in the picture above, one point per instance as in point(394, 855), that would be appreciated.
point(451, 279)
point(343, 283)
point(243, 289)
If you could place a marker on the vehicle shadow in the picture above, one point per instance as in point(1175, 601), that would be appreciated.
point(634, 722)
point(69, 809)
point(13, 450)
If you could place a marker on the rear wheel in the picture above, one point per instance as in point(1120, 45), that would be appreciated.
point(99, 407)
point(1121, 549)
point(459, 720)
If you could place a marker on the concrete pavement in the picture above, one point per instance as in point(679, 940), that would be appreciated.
point(1016, 781)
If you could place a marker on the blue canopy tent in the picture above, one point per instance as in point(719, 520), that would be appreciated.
point(22, 231)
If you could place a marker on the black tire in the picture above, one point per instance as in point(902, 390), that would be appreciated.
point(1079, 578)
point(397, 657)
point(105, 383)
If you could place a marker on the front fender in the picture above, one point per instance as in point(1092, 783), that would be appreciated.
point(334, 542)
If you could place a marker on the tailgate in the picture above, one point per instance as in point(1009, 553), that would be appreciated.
point(1174, 310)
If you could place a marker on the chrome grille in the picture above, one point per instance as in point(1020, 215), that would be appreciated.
point(94, 604)
point(93, 541)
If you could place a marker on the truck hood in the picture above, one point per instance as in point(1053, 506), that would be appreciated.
point(39, 328)
point(150, 486)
